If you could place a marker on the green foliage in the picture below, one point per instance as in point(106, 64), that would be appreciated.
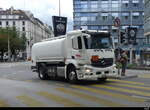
point(16, 42)
point(131, 65)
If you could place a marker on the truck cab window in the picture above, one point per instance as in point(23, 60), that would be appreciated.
point(79, 42)
point(74, 43)
point(87, 42)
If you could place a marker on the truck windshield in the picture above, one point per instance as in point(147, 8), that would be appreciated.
point(98, 42)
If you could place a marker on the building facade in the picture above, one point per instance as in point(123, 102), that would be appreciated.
point(24, 21)
point(146, 52)
point(147, 21)
point(100, 15)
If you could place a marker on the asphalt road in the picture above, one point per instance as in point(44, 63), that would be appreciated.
point(20, 87)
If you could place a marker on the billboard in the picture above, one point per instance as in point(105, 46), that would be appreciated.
point(59, 25)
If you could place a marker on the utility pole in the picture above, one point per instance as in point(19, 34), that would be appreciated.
point(59, 9)
point(131, 46)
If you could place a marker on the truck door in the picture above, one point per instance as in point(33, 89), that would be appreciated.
point(79, 52)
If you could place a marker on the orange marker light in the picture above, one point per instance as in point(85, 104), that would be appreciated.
point(95, 58)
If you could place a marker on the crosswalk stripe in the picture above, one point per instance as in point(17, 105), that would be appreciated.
point(30, 101)
point(3, 104)
point(59, 99)
point(115, 95)
point(123, 90)
point(89, 97)
point(128, 82)
point(130, 86)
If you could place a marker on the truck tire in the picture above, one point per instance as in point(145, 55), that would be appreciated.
point(102, 79)
point(72, 76)
point(42, 74)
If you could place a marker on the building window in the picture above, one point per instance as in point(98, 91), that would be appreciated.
point(7, 23)
point(125, 1)
point(23, 28)
point(126, 4)
point(135, 5)
point(23, 22)
point(135, 15)
point(126, 17)
point(104, 16)
point(115, 15)
point(104, 1)
point(14, 23)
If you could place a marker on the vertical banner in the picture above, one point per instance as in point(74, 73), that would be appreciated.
point(132, 32)
point(59, 25)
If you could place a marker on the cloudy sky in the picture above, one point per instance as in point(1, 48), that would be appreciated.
point(43, 9)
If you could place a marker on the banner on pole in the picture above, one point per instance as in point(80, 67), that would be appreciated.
point(59, 25)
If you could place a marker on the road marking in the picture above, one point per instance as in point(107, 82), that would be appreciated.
point(59, 99)
point(128, 82)
point(92, 98)
point(147, 76)
point(141, 97)
point(130, 86)
point(3, 104)
point(123, 90)
point(28, 81)
point(62, 85)
point(103, 92)
point(30, 101)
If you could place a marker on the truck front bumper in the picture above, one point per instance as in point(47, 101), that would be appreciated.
point(88, 72)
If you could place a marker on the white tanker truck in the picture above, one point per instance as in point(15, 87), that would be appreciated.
point(78, 55)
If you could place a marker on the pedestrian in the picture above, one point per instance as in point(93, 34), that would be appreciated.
point(123, 61)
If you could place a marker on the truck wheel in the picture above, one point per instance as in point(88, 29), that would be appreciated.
point(72, 76)
point(102, 79)
point(42, 74)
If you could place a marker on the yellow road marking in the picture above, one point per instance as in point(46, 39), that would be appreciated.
point(60, 100)
point(128, 82)
point(3, 104)
point(124, 90)
point(130, 86)
point(30, 101)
point(115, 95)
point(57, 84)
point(145, 76)
point(92, 98)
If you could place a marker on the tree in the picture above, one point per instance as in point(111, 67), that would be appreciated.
point(17, 42)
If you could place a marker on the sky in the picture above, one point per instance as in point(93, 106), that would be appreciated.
point(43, 9)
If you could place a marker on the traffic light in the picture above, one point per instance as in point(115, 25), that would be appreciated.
point(132, 31)
point(122, 37)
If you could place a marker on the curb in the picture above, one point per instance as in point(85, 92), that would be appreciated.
point(138, 68)
point(127, 77)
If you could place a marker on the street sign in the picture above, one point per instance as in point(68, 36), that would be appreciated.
point(60, 25)
point(117, 22)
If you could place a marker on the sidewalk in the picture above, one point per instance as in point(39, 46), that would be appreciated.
point(133, 73)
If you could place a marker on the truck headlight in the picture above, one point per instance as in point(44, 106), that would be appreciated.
point(88, 70)
point(114, 67)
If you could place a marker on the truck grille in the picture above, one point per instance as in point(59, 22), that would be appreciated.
point(103, 63)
